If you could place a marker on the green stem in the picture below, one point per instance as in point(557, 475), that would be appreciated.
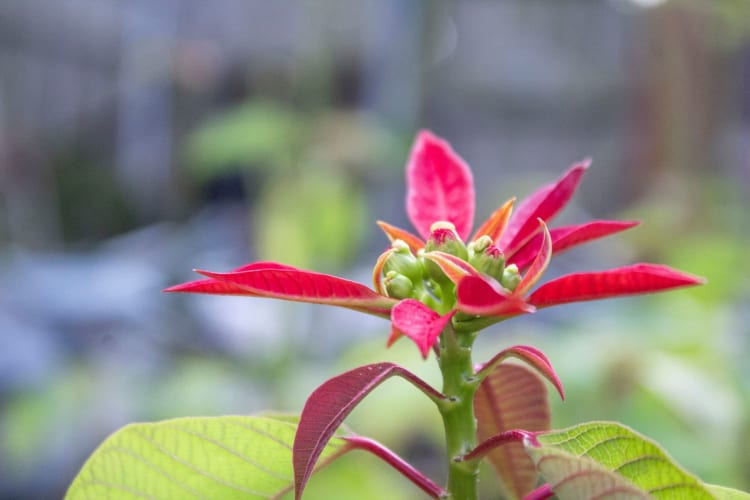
point(459, 385)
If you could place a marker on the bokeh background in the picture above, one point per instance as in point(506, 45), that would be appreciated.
point(142, 139)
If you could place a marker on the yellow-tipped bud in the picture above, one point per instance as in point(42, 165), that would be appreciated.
point(511, 277)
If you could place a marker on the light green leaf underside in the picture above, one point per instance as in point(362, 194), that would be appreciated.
point(231, 457)
point(612, 460)
point(724, 493)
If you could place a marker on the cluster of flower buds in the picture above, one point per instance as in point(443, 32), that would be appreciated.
point(405, 274)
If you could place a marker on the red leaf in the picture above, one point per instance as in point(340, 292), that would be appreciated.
point(544, 204)
point(394, 233)
point(564, 238)
point(511, 397)
point(209, 286)
point(212, 286)
point(418, 322)
point(307, 286)
point(532, 357)
point(329, 405)
point(541, 261)
point(440, 186)
point(628, 280)
point(406, 469)
point(483, 296)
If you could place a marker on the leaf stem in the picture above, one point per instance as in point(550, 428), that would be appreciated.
point(380, 451)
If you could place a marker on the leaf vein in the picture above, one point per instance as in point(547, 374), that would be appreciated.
point(195, 467)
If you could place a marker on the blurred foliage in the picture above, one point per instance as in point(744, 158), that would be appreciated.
point(311, 220)
point(312, 169)
point(254, 135)
point(731, 18)
point(91, 204)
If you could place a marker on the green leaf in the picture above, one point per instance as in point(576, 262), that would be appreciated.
point(255, 135)
point(606, 459)
point(228, 457)
point(314, 219)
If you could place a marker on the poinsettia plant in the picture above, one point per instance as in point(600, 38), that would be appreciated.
point(439, 288)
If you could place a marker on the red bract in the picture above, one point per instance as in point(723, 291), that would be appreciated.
point(425, 281)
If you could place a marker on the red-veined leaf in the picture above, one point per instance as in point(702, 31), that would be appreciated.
point(307, 286)
point(454, 267)
point(418, 322)
point(621, 281)
point(539, 265)
point(544, 204)
point(440, 186)
point(511, 397)
point(483, 296)
point(495, 225)
point(329, 405)
point(530, 355)
point(212, 286)
point(394, 233)
point(398, 463)
point(567, 237)
point(609, 460)
point(573, 478)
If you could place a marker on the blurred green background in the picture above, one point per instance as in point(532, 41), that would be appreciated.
point(142, 139)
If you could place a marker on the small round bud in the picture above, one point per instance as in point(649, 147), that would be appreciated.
point(403, 262)
point(511, 277)
point(397, 285)
point(480, 244)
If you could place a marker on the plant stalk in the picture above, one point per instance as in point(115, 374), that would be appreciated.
point(459, 385)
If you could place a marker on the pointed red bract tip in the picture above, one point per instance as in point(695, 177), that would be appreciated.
point(440, 186)
point(622, 281)
point(209, 286)
point(545, 204)
point(218, 287)
point(307, 286)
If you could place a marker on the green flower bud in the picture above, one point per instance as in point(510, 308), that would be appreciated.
point(490, 261)
point(511, 277)
point(443, 237)
point(479, 245)
point(403, 262)
point(398, 286)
